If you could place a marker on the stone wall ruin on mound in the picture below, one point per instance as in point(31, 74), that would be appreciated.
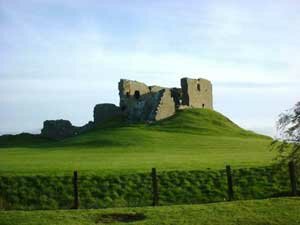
point(140, 103)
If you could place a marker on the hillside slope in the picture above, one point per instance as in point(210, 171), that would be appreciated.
point(192, 139)
point(200, 122)
point(203, 122)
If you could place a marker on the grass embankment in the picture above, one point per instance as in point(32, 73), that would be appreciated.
point(259, 212)
point(175, 187)
point(192, 139)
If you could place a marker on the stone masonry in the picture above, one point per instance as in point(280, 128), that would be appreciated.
point(140, 103)
point(151, 103)
point(106, 111)
point(197, 93)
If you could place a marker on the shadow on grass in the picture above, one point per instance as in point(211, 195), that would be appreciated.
point(121, 217)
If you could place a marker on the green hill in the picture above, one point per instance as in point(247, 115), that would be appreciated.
point(192, 139)
point(203, 122)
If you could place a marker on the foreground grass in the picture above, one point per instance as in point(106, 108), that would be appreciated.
point(280, 211)
point(193, 139)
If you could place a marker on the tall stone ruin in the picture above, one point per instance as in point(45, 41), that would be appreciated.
point(197, 93)
point(152, 103)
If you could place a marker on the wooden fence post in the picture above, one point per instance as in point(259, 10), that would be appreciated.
point(229, 182)
point(292, 170)
point(154, 187)
point(75, 188)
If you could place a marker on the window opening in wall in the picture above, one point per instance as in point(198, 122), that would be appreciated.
point(203, 105)
point(198, 87)
point(137, 94)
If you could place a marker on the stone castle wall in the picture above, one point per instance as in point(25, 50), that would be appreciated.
point(106, 111)
point(166, 106)
point(142, 103)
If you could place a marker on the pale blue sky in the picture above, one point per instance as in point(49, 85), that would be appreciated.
point(60, 58)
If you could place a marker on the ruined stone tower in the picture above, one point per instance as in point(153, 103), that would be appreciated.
point(197, 93)
point(151, 103)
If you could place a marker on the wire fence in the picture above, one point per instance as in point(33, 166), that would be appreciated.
point(146, 189)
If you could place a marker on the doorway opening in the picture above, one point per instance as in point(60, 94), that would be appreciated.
point(137, 94)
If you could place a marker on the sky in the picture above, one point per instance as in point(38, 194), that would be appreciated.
point(59, 58)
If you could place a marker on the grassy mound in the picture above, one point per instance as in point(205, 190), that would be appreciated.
point(192, 139)
point(203, 122)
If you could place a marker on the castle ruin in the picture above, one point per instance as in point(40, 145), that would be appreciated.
point(152, 103)
point(140, 103)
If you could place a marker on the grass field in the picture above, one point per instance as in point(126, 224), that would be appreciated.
point(193, 139)
point(281, 211)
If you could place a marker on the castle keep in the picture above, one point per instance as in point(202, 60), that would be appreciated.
point(152, 103)
point(140, 103)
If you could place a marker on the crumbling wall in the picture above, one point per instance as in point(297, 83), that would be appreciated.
point(166, 105)
point(106, 111)
point(134, 99)
point(128, 87)
point(197, 93)
point(155, 89)
point(61, 129)
point(176, 94)
point(130, 92)
point(140, 102)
